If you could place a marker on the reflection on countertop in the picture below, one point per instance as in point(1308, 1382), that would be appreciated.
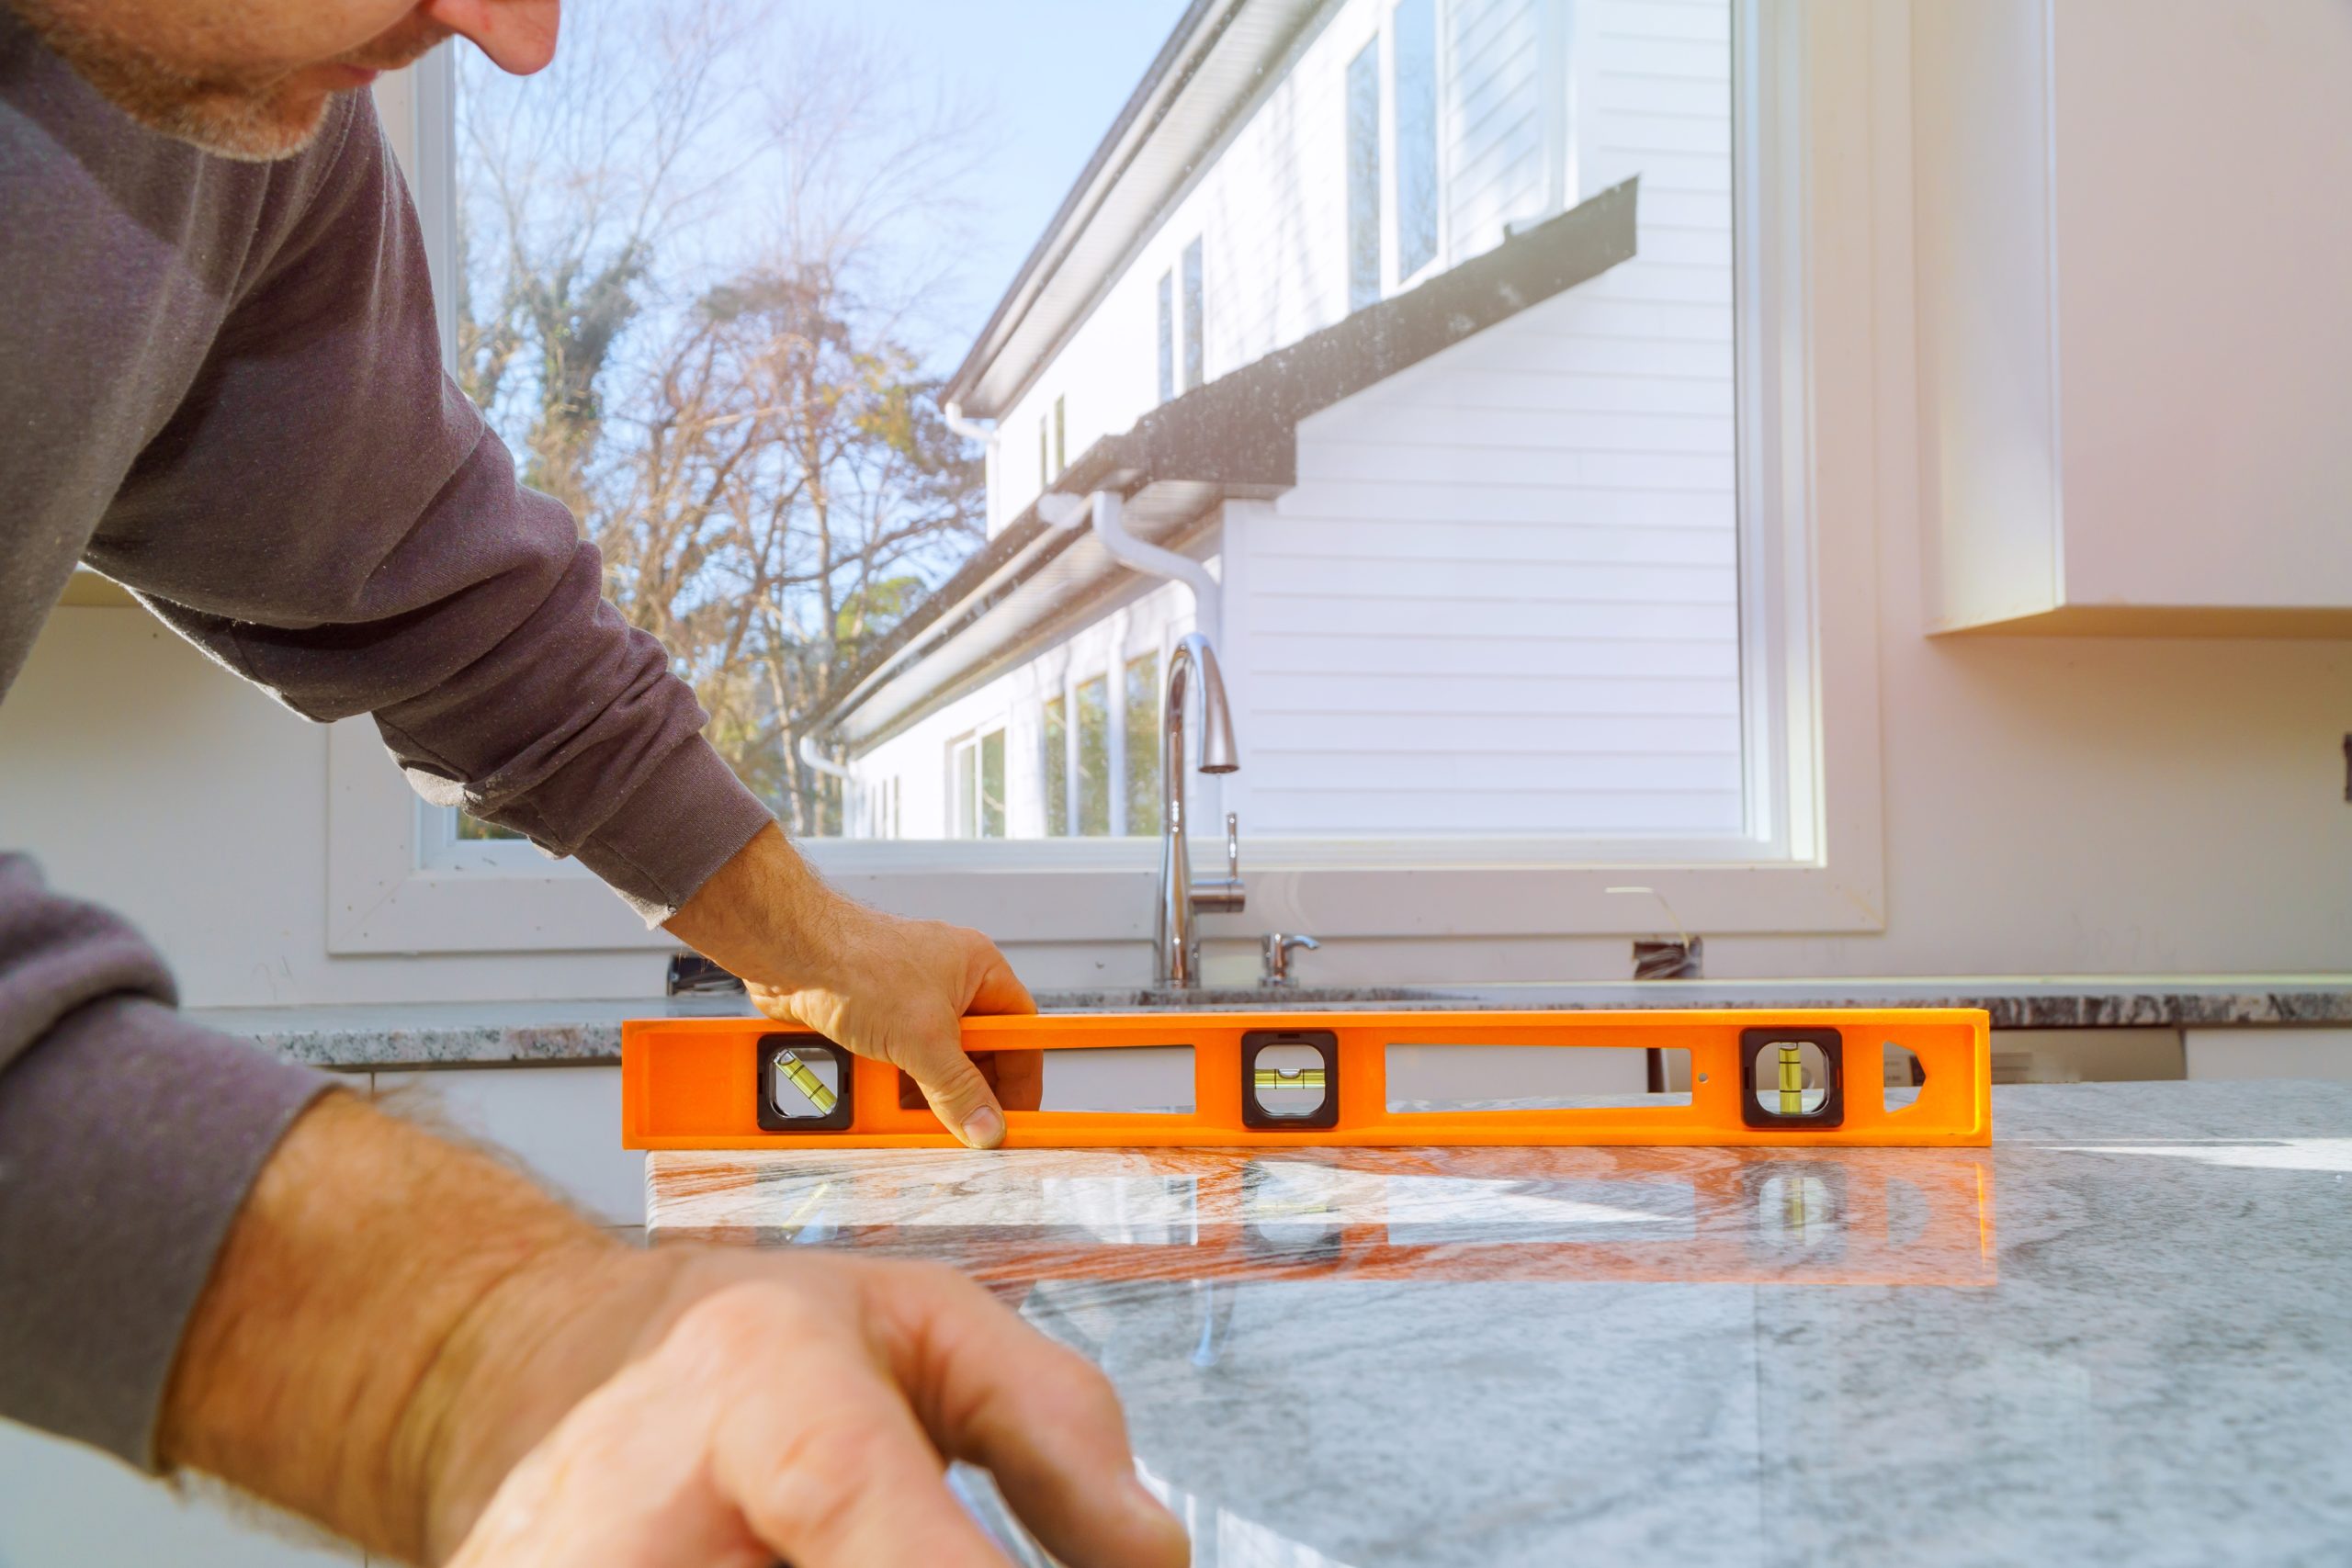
point(2120, 1334)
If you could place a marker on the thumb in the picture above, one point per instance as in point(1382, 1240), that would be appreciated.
point(959, 1096)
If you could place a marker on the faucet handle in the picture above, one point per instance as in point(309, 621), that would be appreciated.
point(1276, 948)
point(1224, 896)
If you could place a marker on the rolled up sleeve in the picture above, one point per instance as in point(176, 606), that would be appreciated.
point(366, 546)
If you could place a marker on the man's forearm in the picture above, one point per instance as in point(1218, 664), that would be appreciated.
point(363, 1320)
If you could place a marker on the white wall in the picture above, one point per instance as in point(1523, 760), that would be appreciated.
point(144, 776)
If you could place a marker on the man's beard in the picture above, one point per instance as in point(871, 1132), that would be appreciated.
point(257, 119)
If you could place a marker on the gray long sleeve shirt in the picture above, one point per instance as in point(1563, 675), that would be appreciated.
point(220, 386)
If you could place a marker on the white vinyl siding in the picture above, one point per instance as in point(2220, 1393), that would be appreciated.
point(1503, 597)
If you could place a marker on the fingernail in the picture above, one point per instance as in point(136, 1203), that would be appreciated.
point(984, 1129)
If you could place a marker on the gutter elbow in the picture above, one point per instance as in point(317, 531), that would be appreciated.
point(1111, 527)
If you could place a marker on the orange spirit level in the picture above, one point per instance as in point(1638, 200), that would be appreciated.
point(1810, 1078)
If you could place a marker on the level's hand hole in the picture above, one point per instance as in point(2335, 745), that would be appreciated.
point(1905, 1075)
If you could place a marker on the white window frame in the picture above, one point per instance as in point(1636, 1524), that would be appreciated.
point(972, 743)
point(1822, 107)
point(1395, 279)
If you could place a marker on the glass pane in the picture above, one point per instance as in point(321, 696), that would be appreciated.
point(1195, 317)
point(991, 822)
point(1142, 738)
point(1364, 177)
point(1415, 35)
point(1167, 337)
point(1499, 595)
point(684, 355)
point(1094, 757)
point(961, 761)
point(1053, 769)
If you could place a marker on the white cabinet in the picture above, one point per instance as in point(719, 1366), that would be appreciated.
point(2270, 1054)
point(562, 1123)
point(62, 1505)
point(2132, 242)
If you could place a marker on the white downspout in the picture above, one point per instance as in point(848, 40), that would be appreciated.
point(970, 430)
point(805, 744)
point(952, 413)
point(1109, 517)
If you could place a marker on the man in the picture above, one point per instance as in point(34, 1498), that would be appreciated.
point(218, 385)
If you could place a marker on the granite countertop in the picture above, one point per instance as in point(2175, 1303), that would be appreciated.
point(478, 1033)
point(2117, 1334)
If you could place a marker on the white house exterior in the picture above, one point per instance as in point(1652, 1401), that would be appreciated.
point(1501, 597)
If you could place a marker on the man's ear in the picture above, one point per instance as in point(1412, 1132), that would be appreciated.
point(517, 35)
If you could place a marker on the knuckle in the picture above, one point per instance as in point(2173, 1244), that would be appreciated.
point(817, 1486)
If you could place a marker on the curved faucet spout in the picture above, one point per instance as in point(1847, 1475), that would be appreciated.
point(1217, 752)
point(1177, 942)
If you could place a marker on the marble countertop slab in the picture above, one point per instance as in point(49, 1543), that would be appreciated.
point(485, 1033)
point(2122, 1334)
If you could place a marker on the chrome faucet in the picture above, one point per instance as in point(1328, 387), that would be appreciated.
point(1176, 944)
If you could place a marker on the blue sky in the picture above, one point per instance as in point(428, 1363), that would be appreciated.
point(1053, 74)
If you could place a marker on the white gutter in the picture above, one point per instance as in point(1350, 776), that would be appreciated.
point(1107, 510)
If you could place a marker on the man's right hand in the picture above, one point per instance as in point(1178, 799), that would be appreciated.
point(886, 987)
point(800, 1407)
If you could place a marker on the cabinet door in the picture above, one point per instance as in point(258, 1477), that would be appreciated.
point(564, 1123)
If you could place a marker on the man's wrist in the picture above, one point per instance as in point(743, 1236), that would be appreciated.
point(767, 918)
point(509, 1368)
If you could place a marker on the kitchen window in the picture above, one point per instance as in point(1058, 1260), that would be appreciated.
point(1762, 673)
point(1364, 177)
point(976, 770)
point(1090, 786)
point(1141, 726)
point(1413, 29)
point(1053, 764)
point(1196, 297)
point(1167, 336)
